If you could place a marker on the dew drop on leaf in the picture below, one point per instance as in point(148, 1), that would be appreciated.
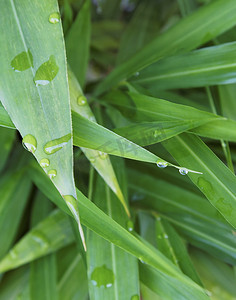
point(22, 61)
point(44, 163)
point(183, 171)
point(162, 164)
point(57, 144)
point(52, 174)
point(102, 155)
point(130, 225)
point(46, 72)
point(81, 100)
point(29, 142)
point(102, 277)
point(54, 18)
point(40, 239)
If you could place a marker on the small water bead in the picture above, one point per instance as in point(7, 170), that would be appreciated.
point(156, 133)
point(130, 225)
point(102, 155)
point(52, 174)
point(54, 18)
point(183, 171)
point(162, 164)
point(57, 144)
point(165, 236)
point(22, 61)
point(102, 277)
point(30, 143)
point(136, 74)
point(40, 238)
point(44, 163)
point(81, 100)
point(46, 72)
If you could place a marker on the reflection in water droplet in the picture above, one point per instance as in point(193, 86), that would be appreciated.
point(55, 145)
point(22, 61)
point(44, 163)
point(54, 18)
point(183, 171)
point(52, 174)
point(40, 238)
point(46, 72)
point(81, 100)
point(29, 143)
point(130, 225)
point(224, 206)
point(162, 164)
point(102, 277)
point(135, 297)
point(102, 155)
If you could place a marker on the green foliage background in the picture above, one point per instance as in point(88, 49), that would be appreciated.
point(131, 105)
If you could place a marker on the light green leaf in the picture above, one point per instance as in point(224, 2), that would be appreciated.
point(34, 88)
point(204, 67)
point(188, 34)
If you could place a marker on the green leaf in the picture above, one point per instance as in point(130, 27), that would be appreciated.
point(15, 188)
point(204, 67)
point(100, 160)
point(43, 275)
point(188, 34)
point(78, 42)
point(49, 235)
point(107, 269)
point(34, 88)
point(193, 216)
point(7, 137)
point(217, 182)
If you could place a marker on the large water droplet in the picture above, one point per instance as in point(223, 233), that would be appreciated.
point(102, 277)
point(130, 225)
point(183, 171)
point(55, 145)
point(46, 72)
point(22, 61)
point(102, 155)
point(81, 100)
point(162, 164)
point(40, 238)
point(44, 163)
point(135, 297)
point(52, 174)
point(30, 143)
point(54, 18)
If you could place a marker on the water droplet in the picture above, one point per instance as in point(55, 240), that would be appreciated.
point(136, 74)
point(44, 163)
point(54, 18)
point(81, 100)
point(156, 133)
point(130, 225)
point(158, 218)
point(30, 143)
point(183, 171)
point(165, 236)
point(141, 260)
point(102, 277)
point(46, 72)
point(135, 297)
point(22, 61)
point(55, 145)
point(13, 254)
point(205, 186)
point(92, 159)
point(52, 174)
point(102, 155)
point(224, 206)
point(162, 164)
point(40, 238)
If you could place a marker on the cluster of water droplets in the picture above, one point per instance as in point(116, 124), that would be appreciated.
point(183, 171)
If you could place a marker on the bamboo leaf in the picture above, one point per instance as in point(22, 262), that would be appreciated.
point(34, 88)
point(204, 67)
point(188, 34)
